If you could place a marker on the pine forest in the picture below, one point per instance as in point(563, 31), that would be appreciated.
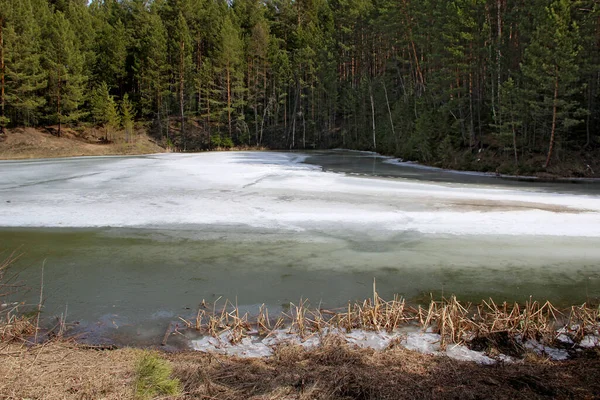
point(443, 82)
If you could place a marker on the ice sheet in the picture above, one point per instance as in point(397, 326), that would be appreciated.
point(274, 191)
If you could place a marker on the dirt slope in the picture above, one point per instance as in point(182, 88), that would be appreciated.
point(24, 143)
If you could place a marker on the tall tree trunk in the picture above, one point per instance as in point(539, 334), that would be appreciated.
point(198, 74)
point(208, 116)
point(58, 98)
point(387, 100)
point(499, 55)
point(588, 118)
point(256, 77)
point(228, 99)
point(554, 112)
point(293, 144)
point(181, 96)
point(302, 110)
point(472, 139)
point(158, 112)
point(262, 123)
point(2, 83)
point(373, 115)
point(168, 118)
point(514, 132)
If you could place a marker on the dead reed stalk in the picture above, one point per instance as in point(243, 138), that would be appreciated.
point(455, 321)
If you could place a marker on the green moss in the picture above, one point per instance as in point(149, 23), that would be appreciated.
point(153, 377)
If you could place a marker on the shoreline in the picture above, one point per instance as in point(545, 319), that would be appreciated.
point(37, 144)
point(333, 368)
point(485, 333)
point(519, 178)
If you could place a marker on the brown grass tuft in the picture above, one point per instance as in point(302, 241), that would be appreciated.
point(502, 326)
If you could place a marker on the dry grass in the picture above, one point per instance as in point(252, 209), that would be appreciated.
point(339, 371)
point(13, 326)
point(456, 322)
point(61, 370)
point(24, 143)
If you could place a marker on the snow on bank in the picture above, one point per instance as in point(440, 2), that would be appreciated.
point(271, 190)
point(422, 342)
point(250, 347)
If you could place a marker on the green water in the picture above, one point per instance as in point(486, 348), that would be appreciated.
point(133, 281)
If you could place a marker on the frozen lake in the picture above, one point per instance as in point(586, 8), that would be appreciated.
point(129, 241)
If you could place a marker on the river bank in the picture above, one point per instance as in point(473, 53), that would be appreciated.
point(58, 367)
point(64, 370)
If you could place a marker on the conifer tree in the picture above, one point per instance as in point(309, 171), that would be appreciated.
point(24, 76)
point(231, 61)
point(551, 70)
point(127, 116)
point(104, 110)
point(148, 58)
point(182, 53)
point(4, 10)
point(64, 65)
point(110, 52)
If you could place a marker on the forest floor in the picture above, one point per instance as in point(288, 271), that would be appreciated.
point(23, 143)
point(577, 164)
point(64, 370)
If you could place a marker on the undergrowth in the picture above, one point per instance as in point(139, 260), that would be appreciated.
point(153, 377)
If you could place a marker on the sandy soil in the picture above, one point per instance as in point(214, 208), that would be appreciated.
point(336, 371)
point(23, 143)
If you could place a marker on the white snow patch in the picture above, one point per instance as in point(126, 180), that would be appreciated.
point(563, 338)
point(247, 347)
point(589, 341)
point(426, 343)
point(463, 353)
point(552, 353)
point(373, 340)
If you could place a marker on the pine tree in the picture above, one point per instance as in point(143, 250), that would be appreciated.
point(24, 76)
point(182, 46)
point(231, 62)
point(110, 53)
point(3, 17)
point(85, 25)
point(511, 110)
point(104, 110)
point(127, 116)
point(551, 70)
point(64, 65)
point(148, 61)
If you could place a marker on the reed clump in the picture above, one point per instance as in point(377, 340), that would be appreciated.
point(13, 325)
point(456, 322)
